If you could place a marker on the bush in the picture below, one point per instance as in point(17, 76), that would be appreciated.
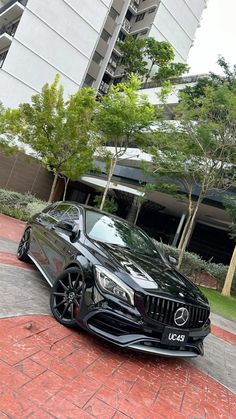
point(18, 205)
point(193, 265)
point(110, 204)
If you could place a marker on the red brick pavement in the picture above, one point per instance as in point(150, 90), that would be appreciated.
point(223, 334)
point(7, 258)
point(10, 228)
point(48, 371)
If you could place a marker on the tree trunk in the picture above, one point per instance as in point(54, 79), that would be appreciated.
point(186, 226)
point(110, 174)
point(137, 213)
point(133, 210)
point(230, 275)
point(67, 180)
point(188, 233)
point(52, 193)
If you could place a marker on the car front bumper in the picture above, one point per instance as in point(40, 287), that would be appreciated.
point(128, 328)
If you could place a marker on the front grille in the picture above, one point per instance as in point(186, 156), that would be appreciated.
point(163, 310)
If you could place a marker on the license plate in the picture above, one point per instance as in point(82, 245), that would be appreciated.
point(174, 337)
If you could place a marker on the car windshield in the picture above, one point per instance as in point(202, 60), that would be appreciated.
point(118, 233)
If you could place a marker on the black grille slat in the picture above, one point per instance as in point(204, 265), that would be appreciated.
point(162, 310)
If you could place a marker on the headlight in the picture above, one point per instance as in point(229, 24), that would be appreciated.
point(110, 283)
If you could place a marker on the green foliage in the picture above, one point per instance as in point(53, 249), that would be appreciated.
point(197, 92)
point(18, 205)
point(230, 205)
point(7, 145)
point(133, 56)
point(123, 113)
point(110, 204)
point(170, 70)
point(122, 119)
point(59, 132)
point(224, 306)
point(193, 265)
point(137, 52)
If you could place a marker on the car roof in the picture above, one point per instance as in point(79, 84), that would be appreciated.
point(90, 208)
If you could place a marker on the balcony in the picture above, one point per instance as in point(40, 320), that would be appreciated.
point(134, 4)
point(11, 11)
point(104, 87)
point(112, 63)
point(126, 25)
point(6, 34)
point(109, 70)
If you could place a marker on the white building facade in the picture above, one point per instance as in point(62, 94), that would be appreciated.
point(44, 38)
point(78, 39)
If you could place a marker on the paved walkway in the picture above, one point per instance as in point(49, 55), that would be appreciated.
point(49, 371)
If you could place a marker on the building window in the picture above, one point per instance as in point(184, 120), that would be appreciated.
point(152, 10)
point(113, 13)
point(121, 37)
point(97, 58)
point(88, 81)
point(105, 35)
point(140, 17)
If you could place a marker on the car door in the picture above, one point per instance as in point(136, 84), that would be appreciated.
point(56, 242)
point(42, 223)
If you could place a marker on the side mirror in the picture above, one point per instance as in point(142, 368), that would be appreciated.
point(71, 227)
point(66, 225)
point(172, 260)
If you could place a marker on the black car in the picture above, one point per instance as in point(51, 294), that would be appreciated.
point(108, 276)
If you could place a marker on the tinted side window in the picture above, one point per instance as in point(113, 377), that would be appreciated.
point(65, 212)
point(73, 214)
point(59, 212)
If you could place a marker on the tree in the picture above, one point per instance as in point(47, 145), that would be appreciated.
point(230, 205)
point(141, 55)
point(198, 90)
point(198, 150)
point(7, 144)
point(123, 115)
point(59, 132)
point(133, 60)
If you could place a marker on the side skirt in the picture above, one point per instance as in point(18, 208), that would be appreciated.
point(40, 269)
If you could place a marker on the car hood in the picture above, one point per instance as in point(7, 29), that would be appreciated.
point(152, 273)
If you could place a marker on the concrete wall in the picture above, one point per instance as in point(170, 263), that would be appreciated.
point(176, 22)
point(58, 36)
point(22, 173)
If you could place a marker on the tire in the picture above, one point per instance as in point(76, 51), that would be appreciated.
point(23, 248)
point(66, 296)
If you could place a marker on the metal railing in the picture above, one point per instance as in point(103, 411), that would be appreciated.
point(126, 25)
point(10, 3)
point(2, 58)
point(9, 29)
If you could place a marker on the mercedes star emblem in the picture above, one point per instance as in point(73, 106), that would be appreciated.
point(181, 316)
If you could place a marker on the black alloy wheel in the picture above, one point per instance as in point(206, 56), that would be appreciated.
point(66, 296)
point(23, 248)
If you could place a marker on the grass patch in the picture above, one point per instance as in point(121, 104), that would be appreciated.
point(224, 306)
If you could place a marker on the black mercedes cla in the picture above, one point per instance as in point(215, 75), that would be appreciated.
point(108, 277)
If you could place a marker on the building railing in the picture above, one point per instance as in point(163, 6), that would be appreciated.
point(10, 3)
point(110, 70)
point(2, 58)
point(104, 87)
point(9, 29)
point(126, 25)
point(174, 80)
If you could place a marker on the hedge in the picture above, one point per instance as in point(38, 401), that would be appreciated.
point(193, 264)
point(19, 205)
